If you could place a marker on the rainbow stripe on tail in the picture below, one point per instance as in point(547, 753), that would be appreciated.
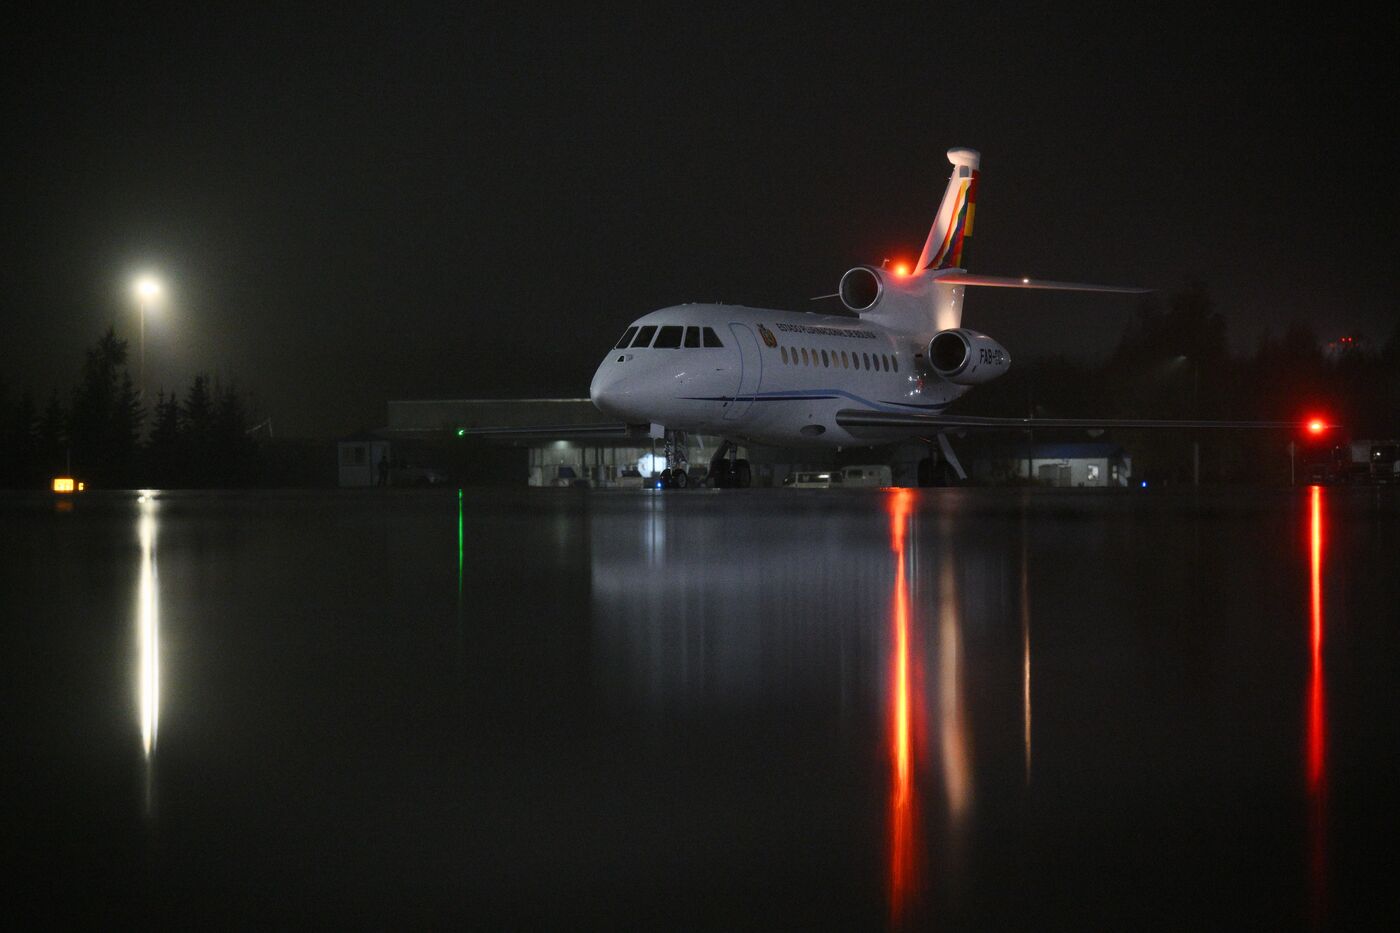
point(953, 226)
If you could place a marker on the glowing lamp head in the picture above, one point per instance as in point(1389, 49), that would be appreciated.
point(1316, 426)
point(901, 269)
point(147, 288)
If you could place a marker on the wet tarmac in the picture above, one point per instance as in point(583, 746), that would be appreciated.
point(943, 709)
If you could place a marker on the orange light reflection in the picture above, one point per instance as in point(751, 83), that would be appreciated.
point(904, 834)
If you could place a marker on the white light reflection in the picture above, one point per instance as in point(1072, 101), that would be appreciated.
point(1025, 647)
point(148, 630)
point(957, 751)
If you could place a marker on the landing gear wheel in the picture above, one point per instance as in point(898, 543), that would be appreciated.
point(679, 479)
point(665, 479)
point(743, 476)
point(926, 475)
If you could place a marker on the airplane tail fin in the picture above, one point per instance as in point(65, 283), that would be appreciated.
point(953, 226)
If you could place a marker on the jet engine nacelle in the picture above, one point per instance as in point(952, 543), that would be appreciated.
point(862, 288)
point(966, 358)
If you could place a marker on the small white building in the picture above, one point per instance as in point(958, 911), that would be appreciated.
point(1091, 464)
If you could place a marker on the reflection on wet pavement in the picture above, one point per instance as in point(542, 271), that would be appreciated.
point(554, 708)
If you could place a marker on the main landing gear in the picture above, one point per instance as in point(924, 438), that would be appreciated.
point(945, 470)
point(727, 470)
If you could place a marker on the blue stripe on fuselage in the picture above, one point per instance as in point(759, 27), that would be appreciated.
point(805, 395)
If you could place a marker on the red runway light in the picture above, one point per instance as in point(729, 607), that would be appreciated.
point(1316, 426)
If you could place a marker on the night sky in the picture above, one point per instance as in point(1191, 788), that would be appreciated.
point(351, 207)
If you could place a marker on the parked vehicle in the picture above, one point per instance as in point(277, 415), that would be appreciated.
point(814, 479)
point(839, 477)
point(1359, 462)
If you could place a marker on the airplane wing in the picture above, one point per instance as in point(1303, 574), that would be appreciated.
point(862, 418)
point(562, 432)
point(1007, 281)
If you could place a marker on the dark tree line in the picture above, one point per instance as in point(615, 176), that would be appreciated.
point(96, 433)
point(1174, 363)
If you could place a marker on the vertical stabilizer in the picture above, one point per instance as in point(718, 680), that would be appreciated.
point(953, 226)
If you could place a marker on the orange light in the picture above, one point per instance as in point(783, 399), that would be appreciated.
point(63, 484)
point(1317, 426)
point(901, 268)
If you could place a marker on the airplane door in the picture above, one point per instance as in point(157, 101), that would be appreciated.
point(750, 371)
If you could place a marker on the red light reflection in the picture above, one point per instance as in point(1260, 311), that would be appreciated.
point(904, 833)
point(1316, 730)
point(1316, 713)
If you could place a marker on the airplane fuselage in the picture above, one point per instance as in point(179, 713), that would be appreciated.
point(778, 378)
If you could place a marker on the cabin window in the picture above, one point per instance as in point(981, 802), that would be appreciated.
point(845, 363)
point(783, 351)
point(692, 338)
point(865, 360)
point(626, 340)
point(711, 338)
point(825, 362)
point(894, 361)
point(644, 336)
point(805, 361)
point(669, 338)
point(885, 362)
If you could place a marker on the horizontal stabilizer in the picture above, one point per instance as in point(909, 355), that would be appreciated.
point(1006, 281)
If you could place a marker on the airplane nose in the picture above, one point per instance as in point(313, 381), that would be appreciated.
point(607, 391)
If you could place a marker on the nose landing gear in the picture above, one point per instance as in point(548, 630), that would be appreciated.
point(675, 452)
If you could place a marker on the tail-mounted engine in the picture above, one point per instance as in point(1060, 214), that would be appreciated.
point(862, 288)
point(965, 357)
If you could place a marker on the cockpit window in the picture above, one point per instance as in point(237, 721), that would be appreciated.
point(669, 338)
point(626, 340)
point(711, 338)
point(644, 336)
point(692, 337)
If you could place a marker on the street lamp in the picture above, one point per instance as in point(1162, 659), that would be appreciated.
point(147, 290)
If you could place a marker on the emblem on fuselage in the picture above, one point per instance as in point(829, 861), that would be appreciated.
point(768, 337)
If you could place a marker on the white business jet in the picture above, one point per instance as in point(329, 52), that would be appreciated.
point(883, 373)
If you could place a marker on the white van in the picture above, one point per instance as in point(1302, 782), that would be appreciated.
point(813, 479)
point(869, 475)
point(839, 477)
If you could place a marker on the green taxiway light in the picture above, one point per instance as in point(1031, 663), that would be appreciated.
point(461, 432)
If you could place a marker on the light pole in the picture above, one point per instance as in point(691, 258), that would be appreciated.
point(147, 290)
point(1195, 415)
